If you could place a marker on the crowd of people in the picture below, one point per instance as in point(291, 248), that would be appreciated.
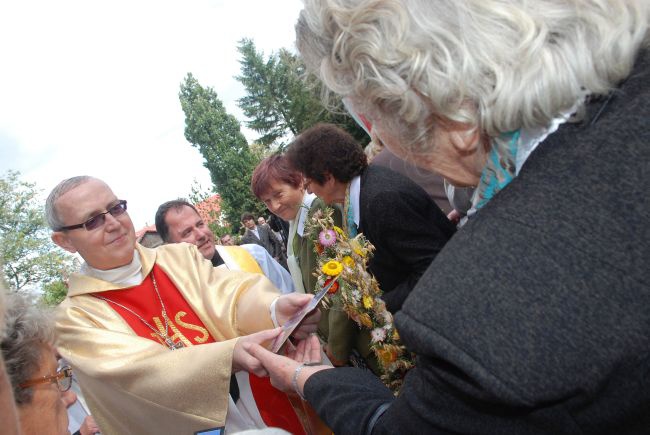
point(524, 304)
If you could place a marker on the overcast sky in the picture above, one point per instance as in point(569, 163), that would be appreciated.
point(89, 87)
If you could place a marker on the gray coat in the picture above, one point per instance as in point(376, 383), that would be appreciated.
point(535, 317)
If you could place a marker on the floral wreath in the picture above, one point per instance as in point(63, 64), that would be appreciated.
point(345, 261)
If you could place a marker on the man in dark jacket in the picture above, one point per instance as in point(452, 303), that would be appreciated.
point(262, 235)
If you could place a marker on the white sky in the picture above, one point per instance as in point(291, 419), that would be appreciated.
point(91, 88)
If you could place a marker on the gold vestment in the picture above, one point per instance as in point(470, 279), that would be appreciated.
point(134, 385)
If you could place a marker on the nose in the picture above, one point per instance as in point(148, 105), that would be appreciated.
point(199, 235)
point(111, 222)
point(68, 398)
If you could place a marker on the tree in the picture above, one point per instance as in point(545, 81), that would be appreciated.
point(30, 259)
point(217, 135)
point(282, 100)
point(209, 207)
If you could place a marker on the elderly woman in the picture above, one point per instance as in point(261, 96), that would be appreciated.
point(41, 389)
point(281, 188)
point(534, 318)
point(8, 414)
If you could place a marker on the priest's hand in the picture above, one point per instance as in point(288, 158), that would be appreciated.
point(290, 304)
point(289, 373)
point(241, 357)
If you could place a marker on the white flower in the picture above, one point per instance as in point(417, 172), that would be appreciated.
point(378, 334)
point(387, 316)
point(356, 294)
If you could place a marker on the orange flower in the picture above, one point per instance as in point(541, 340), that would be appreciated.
point(334, 287)
point(386, 356)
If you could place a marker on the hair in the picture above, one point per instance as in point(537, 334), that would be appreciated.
point(26, 330)
point(274, 168)
point(161, 224)
point(246, 216)
point(51, 214)
point(327, 149)
point(488, 64)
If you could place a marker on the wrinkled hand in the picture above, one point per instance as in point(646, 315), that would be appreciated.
point(89, 427)
point(288, 305)
point(243, 360)
point(282, 368)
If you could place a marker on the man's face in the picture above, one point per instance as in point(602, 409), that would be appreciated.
point(47, 412)
point(110, 245)
point(227, 240)
point(261, 220)
point(250, 224)
point(185, 225)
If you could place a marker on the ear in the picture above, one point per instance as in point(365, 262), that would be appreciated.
point(329, 178)
point(62, 240)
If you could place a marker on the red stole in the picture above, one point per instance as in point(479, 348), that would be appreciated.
point(185, 325)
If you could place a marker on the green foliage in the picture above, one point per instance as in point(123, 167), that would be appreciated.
point(30, 259)
point(281, 100)
point(217, 135)
point(54, 292)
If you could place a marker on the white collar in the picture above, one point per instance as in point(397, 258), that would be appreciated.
point(531, 137)
point(355, 191)
point(307, 200)
point(127, 275)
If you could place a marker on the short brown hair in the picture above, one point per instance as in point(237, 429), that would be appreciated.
point(326, 148)
point(274, 168)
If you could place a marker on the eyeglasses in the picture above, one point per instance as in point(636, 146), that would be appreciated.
point(99, 219)
point(63, 380)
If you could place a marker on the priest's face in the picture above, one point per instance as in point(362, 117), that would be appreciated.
point(185, 225)
point(107, 246)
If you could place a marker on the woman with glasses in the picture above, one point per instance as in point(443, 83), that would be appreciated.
point(41, 388)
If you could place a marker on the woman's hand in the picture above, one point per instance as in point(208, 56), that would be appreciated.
point(282, 369)
point(242, 359)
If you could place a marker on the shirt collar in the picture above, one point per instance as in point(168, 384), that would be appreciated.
point(127, 275)
point(307, 200)
point(355, 191)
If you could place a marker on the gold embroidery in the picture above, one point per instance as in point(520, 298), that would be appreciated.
point(204, 332)
point(178, 335)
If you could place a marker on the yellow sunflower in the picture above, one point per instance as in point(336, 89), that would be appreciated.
point(367, 302)
point(348, 261)
point(357, 248)
point(332, 268)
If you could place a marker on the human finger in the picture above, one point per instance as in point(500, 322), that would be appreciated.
point(314, 349)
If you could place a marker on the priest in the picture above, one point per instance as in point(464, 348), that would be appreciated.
point(154, 335)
